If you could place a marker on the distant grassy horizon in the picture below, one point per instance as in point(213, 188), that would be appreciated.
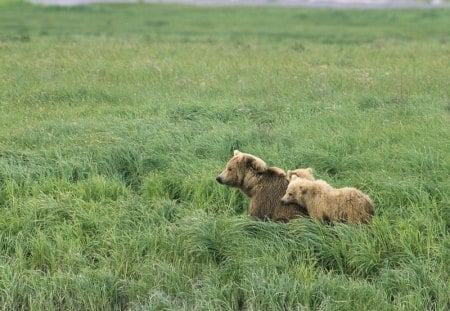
point(321, 4)
point(115, 120)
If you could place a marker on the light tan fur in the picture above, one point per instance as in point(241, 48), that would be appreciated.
point(306, 173)
point(302, 173)
point(328, 204)
point(264, 185)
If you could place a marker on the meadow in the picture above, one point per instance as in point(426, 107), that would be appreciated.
point(116, 119)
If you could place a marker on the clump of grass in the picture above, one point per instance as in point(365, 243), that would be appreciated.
point(197, 191)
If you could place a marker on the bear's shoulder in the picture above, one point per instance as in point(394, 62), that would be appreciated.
point(276, 171)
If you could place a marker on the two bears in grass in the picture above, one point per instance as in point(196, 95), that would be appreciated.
point(278, 196)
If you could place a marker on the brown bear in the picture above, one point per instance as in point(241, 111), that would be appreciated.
point(328, 204)
point(264, 185)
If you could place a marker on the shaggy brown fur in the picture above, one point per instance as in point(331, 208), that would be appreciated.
point(327, 203)
point(264, 185)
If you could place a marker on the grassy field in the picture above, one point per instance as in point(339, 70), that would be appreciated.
point(116, 119)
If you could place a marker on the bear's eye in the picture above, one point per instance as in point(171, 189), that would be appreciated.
point(290, 194)
point(303, 191)
point(229, 169)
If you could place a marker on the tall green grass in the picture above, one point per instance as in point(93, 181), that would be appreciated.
point(115, 120)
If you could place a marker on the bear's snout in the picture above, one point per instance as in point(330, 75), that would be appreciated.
point(219, 179)
point(283, 201)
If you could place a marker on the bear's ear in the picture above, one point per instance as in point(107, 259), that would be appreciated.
point(237, 152)
point(288, 174)
point(257, 164)
point(310, 170)
point(293, 177)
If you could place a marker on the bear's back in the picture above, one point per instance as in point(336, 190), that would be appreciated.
point(353, 205)
point(266, 203)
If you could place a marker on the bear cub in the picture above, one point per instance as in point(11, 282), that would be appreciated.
point(329, 204)
point(264, 185)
